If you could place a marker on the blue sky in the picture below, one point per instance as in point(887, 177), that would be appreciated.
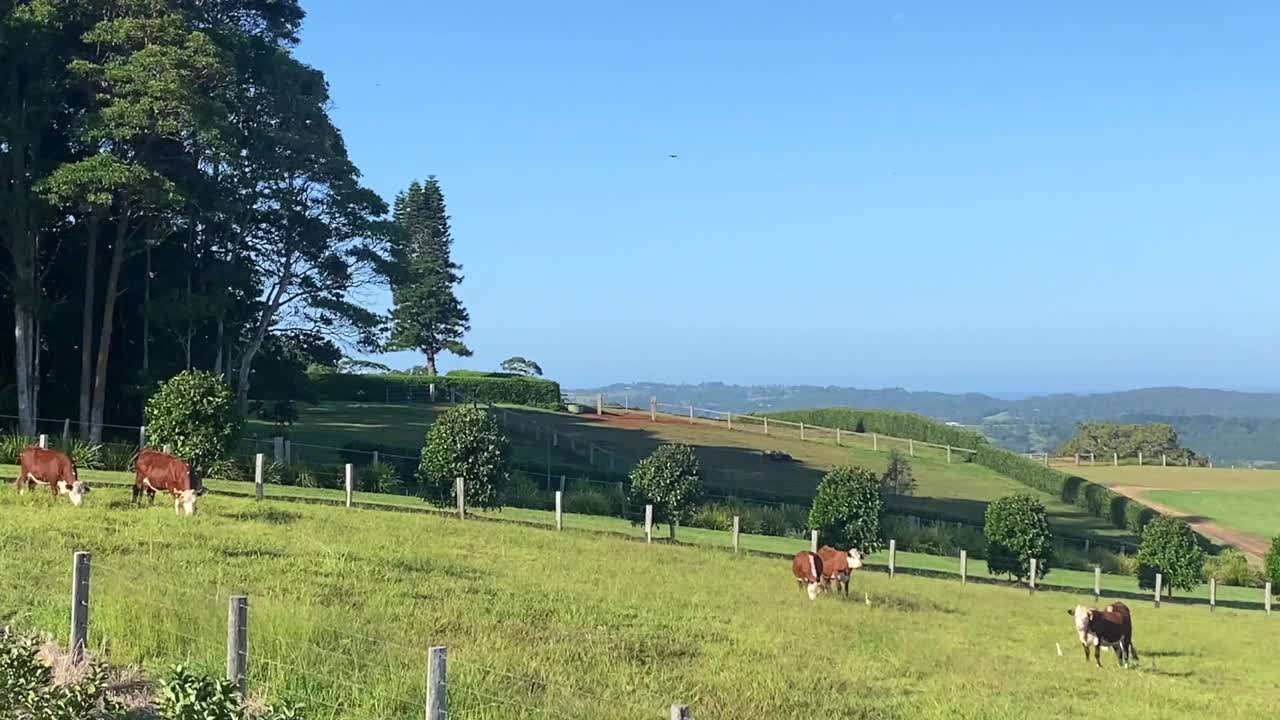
point(988, 196)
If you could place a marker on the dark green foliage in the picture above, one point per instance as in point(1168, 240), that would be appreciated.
point(530, 392)
point(195, 412)
point(1271, 565)
point(380, 478)
point(1231, 567)
point(847, 510)
point(465, 442)
point(12, 445)
point(1017, 530)
point(1170, 547)
point(1095, 499)
point(898, 478)
point(886, 422)
point(671, 480)
point(521, 366)
point(27, 689)
point(187, 696)
point(1152, 440)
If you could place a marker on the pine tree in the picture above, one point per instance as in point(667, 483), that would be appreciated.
point(428, 316)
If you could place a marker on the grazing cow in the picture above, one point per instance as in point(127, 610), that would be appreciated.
point(1112, 627)
point(157, 471)
point(807, 567)
point(838, 565)
point(41, 466)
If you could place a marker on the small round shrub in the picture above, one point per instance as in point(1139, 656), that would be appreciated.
point(1231, 567)
point(1170, 547)
point(195, 412)
point(588, 501)
point(1017, 530)
point(380, 478)
point(465, 443)
point(846, 512)
point(670, 479)
point(1271, 566)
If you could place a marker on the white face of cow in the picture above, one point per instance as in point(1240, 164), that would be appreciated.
point(77, 493)
point(813, 589)
point(185, 502)
point(855, 559)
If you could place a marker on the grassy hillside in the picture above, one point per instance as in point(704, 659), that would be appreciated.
point(344, 604)
point(731, 458)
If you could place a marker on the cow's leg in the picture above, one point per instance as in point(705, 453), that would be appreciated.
point(1097, 654)
point(1086, 651)
point(1133, 652)
point(137, 495)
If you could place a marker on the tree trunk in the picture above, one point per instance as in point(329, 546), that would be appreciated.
point(23, 329)
point(219, 343)
point(671, 528)
point(108, 325)
point(36, 373)
point(22, 247)
point(146, 316)
point(431, 364)
point(86, 324)
point(255, 343)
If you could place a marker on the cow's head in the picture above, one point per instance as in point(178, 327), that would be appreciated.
point(813, 589)
point(1083, 616)
point(855, 559)
point(77, 492)
point(185, 502)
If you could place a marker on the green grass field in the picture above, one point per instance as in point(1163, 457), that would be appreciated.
point(113, 493)
point(731, 459)
point(574, 625)
point(1256, 512)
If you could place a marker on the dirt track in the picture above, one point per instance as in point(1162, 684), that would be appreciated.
point(1252, 546)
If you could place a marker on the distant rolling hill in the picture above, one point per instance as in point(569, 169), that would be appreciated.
point(1229, 426)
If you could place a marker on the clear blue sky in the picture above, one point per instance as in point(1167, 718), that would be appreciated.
point(988, 196)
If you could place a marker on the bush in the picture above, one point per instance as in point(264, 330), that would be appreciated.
point(465, 442)
point(118, 457)
point(85, 455)
point(195, 412)
point(1231, 567)
point(589, 500)
point(846, 512)
point(380, 478)
point(187, 696)
point(897, 478)
point(886, 422)
point(1170, 547)
point(1271, 566)
point(531, 392)
point(11, 447)
point(524, 492)
point(1017, 530)
point(28, 690)
point(670, 479)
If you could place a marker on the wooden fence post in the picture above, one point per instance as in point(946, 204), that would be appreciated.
point(1159, 586)
point(600, 403)
point(348, 476)
point(43, 441)
point(813, 541)
point(911, 446)
point(1091, 457)
point(690, 414)
point(258, 489)
point(66, 431)
point(1115, 459)
point(948, 454)
point(737, 528)
point(376, 459)
point(562, 483)
point(80, 566)
point(1077, 459)
point(681, 712)
point(1213, 593)
point(837, 437)
point(142, 436)
point(964, 566)
point(438, 684)
point(1139, 458)
point(559, 510)
point(875, 441)
point(1164, 460)
point(1097, 583)
point(729, 419)
point(648, 523)
point(802, 431)
point(1266, 597)
point(167, 449)
point(1033, 575)
point(766, 426)
point(893, 556)
point(278, 447)
point(288, 452)
point(460, 491)
point(653, 409)
point(238, 643)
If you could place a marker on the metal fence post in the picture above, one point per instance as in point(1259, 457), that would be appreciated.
point(648, 523)
point(80, 567)
point(737, 528)
point(348, 473)
point(258, 489)
point(559, 510)
point(460, 491)
point(238, 643)
point(438, 683)
point(893, 556)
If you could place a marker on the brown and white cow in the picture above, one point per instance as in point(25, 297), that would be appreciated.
point(161, 472)
point(1112, 627)
point(53, 468)
point(807, 567)
point(838, 565)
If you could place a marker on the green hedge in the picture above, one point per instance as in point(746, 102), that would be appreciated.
point(1094, 499)
point(886, 422)
point(531, 392)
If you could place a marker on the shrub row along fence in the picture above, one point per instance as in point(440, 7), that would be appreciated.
point(271, 650)
point(1090, 459)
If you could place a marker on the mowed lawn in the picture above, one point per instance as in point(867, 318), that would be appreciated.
point(344, 605)
point(1241, 499)
point(731, 459)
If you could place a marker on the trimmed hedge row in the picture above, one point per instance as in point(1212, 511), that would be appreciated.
point(886, 422)
point(1097, 500)
point(531, 392)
